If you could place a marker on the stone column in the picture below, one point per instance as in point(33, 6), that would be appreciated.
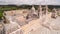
point(46, 9)
point(40, 12)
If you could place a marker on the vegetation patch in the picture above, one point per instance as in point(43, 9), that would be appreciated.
point(14, 7)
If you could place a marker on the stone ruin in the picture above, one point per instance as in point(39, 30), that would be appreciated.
point(54, 13)
point(24, 21)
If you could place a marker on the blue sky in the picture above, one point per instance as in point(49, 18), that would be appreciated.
point(30, 2)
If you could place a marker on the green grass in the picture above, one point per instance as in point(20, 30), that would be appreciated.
point(1, 15)
point(58, 14)
point(6, 8)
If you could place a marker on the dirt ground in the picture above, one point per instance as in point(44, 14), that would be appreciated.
point(43, 30)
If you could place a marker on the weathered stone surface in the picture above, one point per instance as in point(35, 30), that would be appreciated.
point(55, 29)
point(26, 22)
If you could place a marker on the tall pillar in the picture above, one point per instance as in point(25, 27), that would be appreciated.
point(46, 9)
point(40, 12)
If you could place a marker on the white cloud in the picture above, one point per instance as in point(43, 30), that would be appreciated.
point(36, 2)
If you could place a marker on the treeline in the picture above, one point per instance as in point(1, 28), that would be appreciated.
point(15, 7)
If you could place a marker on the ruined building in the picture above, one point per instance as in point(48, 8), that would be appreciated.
point(25, 21)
